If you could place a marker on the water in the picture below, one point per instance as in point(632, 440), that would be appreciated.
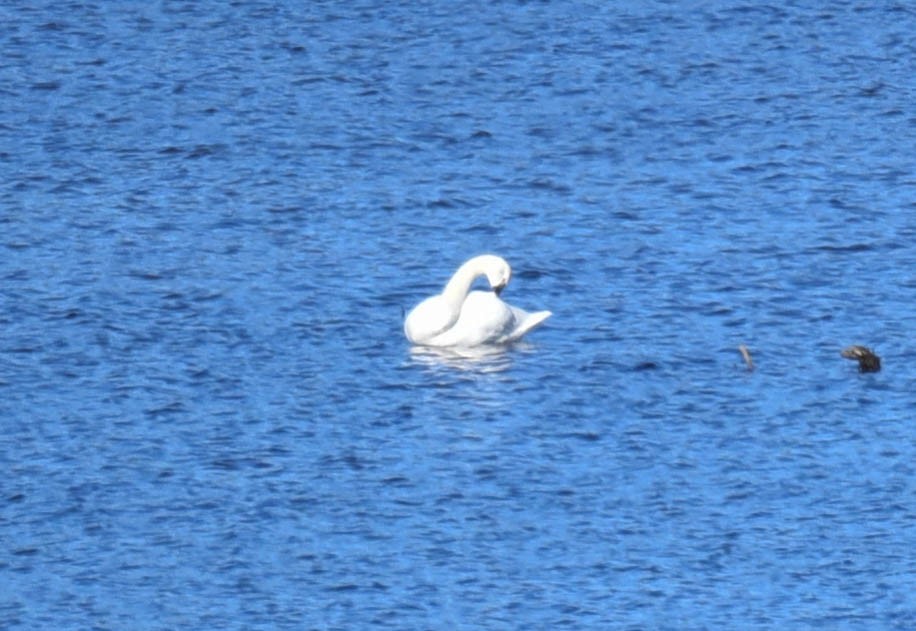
point(214, 216)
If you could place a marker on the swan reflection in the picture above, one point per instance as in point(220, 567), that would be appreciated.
point(482, 359)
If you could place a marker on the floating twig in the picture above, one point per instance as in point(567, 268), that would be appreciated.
point(746, 354)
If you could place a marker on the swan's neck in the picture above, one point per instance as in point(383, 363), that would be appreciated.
point(460, 284)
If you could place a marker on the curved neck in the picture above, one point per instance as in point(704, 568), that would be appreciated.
point(459, 285)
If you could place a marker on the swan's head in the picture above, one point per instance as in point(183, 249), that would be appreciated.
point(498, 272)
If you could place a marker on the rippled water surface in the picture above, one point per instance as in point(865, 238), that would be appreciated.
point(214, 215)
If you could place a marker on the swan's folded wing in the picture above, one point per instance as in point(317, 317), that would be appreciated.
point(427, 320)
point(484, 319)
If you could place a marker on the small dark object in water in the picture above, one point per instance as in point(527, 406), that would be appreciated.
point(868, 361)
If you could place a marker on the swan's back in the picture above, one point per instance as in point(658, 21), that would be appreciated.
point(484, 319)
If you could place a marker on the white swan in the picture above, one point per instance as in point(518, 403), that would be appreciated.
point(458, 318)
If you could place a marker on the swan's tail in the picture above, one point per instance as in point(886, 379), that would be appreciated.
point(525, 321)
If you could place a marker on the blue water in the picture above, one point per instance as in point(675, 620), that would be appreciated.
point(213, 216)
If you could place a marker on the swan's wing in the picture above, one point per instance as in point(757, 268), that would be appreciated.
point(484, 319)
point(524, 321)
point(427, 320)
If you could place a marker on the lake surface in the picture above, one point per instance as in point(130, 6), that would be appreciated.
point(213, 217)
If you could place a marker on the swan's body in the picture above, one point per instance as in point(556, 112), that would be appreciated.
point(464, 318)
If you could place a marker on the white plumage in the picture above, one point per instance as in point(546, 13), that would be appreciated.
point(463, 318)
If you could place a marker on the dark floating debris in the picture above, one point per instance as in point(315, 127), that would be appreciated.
point(644, 366)
point(868, 361)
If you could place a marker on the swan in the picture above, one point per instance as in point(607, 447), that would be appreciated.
point(462, 318)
